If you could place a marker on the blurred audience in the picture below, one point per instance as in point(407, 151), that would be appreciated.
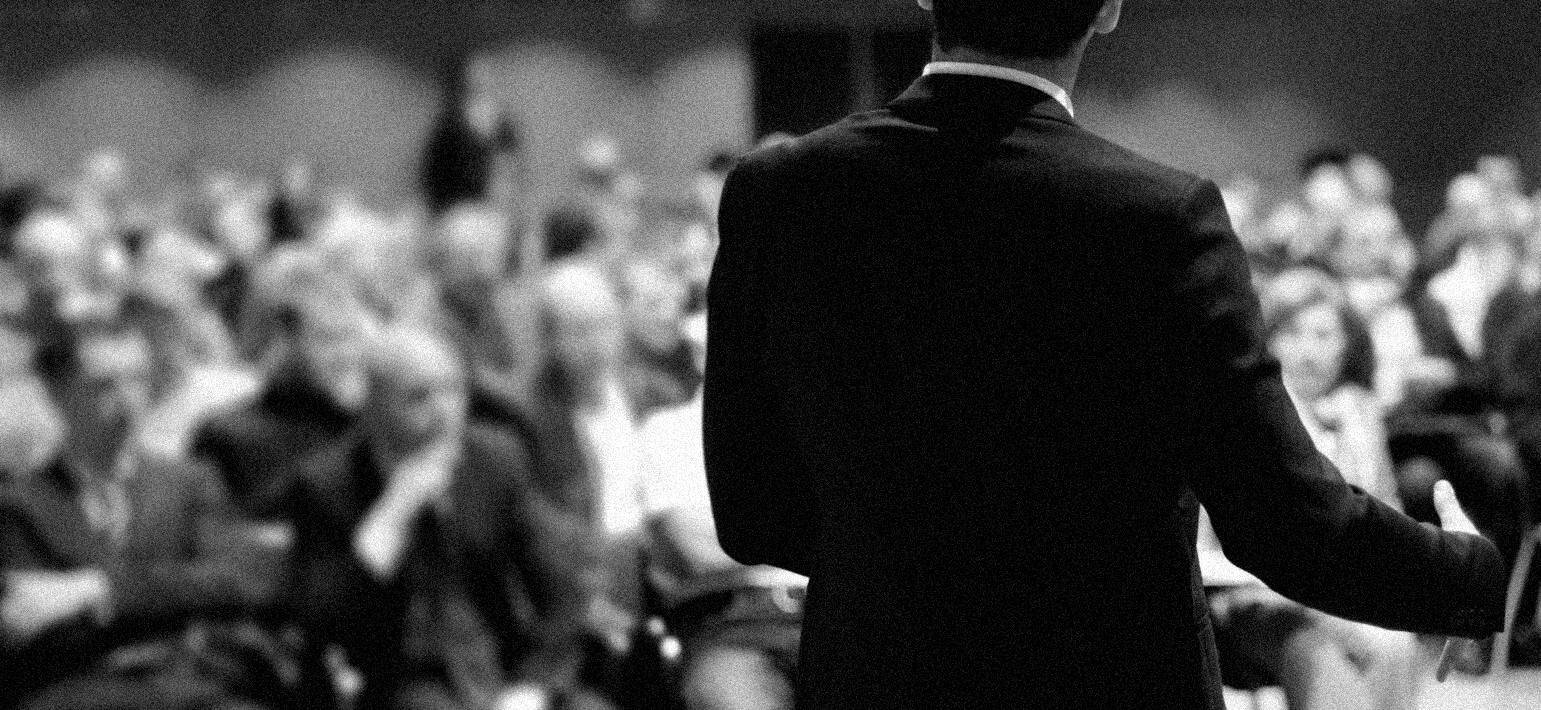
point(129, 581)
point(1320, 661)
point(265, 445)
point(741, 625)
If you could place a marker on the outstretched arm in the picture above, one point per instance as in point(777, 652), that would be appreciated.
point(1282, 510)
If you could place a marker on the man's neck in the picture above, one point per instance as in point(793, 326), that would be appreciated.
point(1062, 71)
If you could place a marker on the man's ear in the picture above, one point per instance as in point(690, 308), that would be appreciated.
point(924, 4)
point(1107, 19)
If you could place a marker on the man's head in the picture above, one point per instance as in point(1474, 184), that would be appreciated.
point(1018, 29)
point(417, 389)
point(653, 300)
point(102, 384)
point(583, 321)
point(471, 246)
point(82, 276)
point(330, 329)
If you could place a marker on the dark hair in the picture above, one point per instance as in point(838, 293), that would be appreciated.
point(1296, 290)
point(1034, 29)
point(1335, 156)
point(569, 230)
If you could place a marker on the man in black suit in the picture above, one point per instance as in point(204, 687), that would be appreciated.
point(973, 369)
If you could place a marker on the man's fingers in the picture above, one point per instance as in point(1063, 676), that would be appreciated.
point(1451, 516)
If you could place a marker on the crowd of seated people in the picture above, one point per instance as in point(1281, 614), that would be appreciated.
point(266, 446)
point(262, 446)
point(1411, 361)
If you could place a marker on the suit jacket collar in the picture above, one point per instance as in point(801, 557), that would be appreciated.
point(959, 100)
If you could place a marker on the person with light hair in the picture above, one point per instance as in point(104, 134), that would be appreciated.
point(491, 573)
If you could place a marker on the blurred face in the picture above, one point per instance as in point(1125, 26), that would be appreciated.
point(1367, 238)
point(332, 346)
point(1310, 348)
point(586, 344)
point(413, 408)
point(1328, 192)
point(654, 307)
point(241, 225)
point(472, 247)
point(104, 398)
point(82, 277)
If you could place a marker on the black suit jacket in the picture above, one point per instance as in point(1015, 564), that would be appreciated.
point(972, 369)
point(187, 561)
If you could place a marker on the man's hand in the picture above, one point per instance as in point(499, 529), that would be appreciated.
point(1453, 519)
point(37, 601)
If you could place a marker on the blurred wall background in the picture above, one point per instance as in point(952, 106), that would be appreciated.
point(1218, 87)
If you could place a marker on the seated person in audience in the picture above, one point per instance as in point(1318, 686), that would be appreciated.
point(473, 256)
point(129, 582)
point(78, 278)
point(1320, 660)
point(1373, 258)
point(659, 369)
point(351, 491)
point(741, 625)
point(583, 440)
point(1448, 425)
point(200, 375)
point(236, 226)
point(494, 571)
point(1301, 230)
point(310, 402)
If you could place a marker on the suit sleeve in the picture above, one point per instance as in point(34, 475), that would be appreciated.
point(762, 502)
point(1281, 509)
point(229, 564)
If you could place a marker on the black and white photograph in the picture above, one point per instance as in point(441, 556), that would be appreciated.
point(770, 354)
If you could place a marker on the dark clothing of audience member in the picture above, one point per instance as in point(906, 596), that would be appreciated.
point(332, 597)
point(459, 164)
point(658, 379)
point(1474, 390)
point(188, 584)
point(256, 448)
point(1454, 427)
point(507, 604)
point(1518, 368)
point(570, 231)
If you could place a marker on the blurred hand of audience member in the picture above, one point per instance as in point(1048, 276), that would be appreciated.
point(415, 483)
point(524, 696)
point(1426, 374)
point(36, 601)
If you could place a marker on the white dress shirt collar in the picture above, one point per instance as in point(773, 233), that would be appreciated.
point(999, 72)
